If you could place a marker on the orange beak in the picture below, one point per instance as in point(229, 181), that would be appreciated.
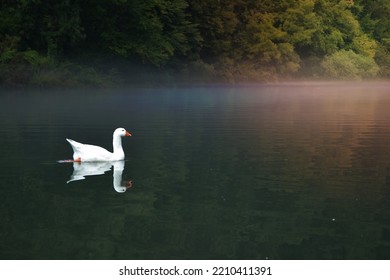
point(127, 134)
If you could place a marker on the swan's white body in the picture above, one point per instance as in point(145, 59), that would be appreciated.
point(85, 152)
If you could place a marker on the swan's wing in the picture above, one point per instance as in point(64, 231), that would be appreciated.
point(87, 152)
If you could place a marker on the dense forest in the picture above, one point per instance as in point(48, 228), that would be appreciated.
point(102, 42)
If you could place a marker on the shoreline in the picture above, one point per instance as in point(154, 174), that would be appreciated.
point(184, 84)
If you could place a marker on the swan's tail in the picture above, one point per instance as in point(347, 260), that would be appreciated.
point(75, 146)
point(74, 143)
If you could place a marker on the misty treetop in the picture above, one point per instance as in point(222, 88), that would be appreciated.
point(43, 42)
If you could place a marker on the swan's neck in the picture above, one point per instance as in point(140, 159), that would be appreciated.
point(117, 147)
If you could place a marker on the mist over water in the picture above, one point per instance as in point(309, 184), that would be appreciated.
point(282, 171)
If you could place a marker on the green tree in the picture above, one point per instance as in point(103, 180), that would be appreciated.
point(349, 65)
point(244, 39)
point(265, 43)
point(51, 27)
point(319, 28)
point(155, 31)
point(375, 21)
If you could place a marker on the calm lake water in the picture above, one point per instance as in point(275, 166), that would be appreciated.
point(289, 171)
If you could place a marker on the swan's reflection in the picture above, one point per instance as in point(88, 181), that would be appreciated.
point(83, 169)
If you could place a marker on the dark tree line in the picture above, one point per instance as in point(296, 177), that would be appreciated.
point(228, 40)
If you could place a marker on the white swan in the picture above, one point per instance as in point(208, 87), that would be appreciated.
point(85, 152)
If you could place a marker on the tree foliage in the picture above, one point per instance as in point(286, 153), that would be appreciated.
point(349, 65)
point(154, 31)
point(374, 18)
point(232, 40)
